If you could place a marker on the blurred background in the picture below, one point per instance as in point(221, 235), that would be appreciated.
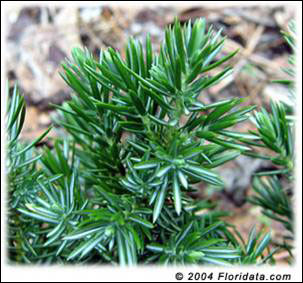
point(39, 38)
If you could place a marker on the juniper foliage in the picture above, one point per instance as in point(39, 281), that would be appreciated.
point(275, 128)
point(117, 188)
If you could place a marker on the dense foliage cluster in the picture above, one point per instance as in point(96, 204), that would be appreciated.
point(117, 188)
